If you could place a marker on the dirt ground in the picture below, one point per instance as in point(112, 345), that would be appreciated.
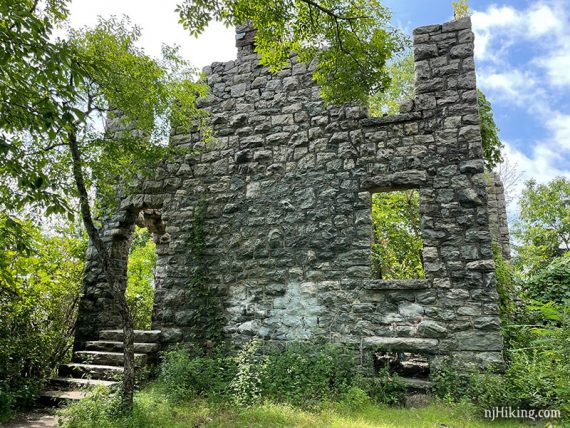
point(41, 418)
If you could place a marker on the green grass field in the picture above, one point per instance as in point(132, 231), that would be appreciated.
point(152, 409)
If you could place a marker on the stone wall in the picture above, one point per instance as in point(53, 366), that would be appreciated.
point(267, 229)
point(498, 222)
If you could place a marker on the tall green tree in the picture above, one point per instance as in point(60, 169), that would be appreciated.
point(96, 73)
point(542, 231)
point(351, 41)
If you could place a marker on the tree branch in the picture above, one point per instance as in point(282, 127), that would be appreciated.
point(333, 14)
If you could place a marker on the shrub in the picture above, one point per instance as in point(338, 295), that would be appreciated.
point(39, 294)
point(386, 388)
point(529, 382)
point(246, 386)
point(184, 377)
point(552, 283)
point(305, 373)
point(301, 374)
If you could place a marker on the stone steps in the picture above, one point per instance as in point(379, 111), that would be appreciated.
point(117, 346)
point(100, 363)
point(417, 385)
point(92, 371)
point(107, 358)
point(67, 382)
point(141, 336)
point(58, 395)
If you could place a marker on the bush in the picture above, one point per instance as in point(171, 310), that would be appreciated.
point(529, 382)
point(39, 295)
point(386, 388)
point(301, 374)
point(98, 410)
point(305, 373)
point(183, 377)
point(552, 283)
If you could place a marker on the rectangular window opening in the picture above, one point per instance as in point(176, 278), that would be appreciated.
point(396, 235)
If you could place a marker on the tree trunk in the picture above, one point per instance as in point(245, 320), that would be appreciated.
point(128, 354)
point(116, 280)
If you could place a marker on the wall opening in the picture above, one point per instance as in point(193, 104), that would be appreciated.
point(141, 277)
point(396, 251)
point(405, 364)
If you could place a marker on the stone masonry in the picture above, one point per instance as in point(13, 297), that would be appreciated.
point(498, 221)
point(281, 199)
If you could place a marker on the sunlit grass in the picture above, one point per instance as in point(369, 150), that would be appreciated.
point(153, 409)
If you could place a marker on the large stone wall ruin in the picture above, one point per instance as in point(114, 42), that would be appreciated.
point(282, 202)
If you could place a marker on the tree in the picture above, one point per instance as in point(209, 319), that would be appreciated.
point(30, 74)
point(351, 41)
point(543, 227)
point(401, 89)
point(97, 73)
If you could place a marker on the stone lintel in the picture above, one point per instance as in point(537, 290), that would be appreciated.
point(409, 344)
point(396, 181)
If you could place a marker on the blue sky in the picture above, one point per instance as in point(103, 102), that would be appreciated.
point(522, 56)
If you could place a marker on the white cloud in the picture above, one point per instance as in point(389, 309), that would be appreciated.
point(542, 20)
point(507, 24)
point(159, 24)
point(514, 85)
point(559, 125)
point(557, 65)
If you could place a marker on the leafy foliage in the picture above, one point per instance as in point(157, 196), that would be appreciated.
point(552, 283)
point(401, 89)
point(30, 72)
point(397, 245)
point(351, 41)
point(208, 310)
point(305, 374)
point(302, 374)
point(38, 305)
point(183, 377)
point(505, 285)
point(489, 133)
point(543, 227)
point(461, 9)
point(140, 282)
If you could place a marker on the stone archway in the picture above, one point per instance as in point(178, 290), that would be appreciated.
point(97, 309)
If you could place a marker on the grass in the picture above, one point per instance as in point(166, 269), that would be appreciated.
point(153, 409)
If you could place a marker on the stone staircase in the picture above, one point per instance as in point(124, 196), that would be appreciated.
point(100, 363)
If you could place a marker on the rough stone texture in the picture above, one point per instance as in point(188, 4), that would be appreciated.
point(497, 206)
point(286, 186)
